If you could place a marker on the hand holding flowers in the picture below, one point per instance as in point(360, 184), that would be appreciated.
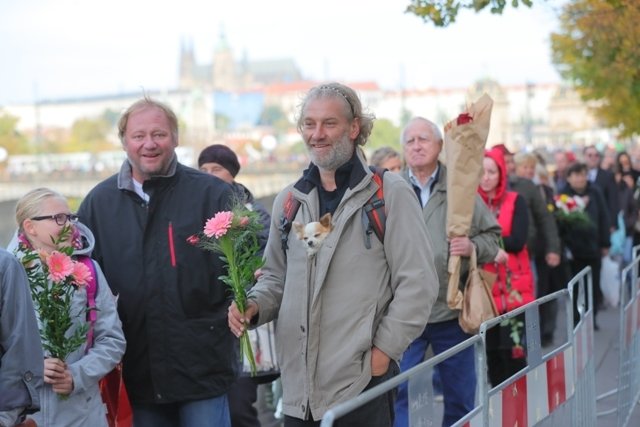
point(234, 235)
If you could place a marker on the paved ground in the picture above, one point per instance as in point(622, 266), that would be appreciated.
point(607, 351)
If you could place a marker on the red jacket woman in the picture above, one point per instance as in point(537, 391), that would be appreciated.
point(514, 284)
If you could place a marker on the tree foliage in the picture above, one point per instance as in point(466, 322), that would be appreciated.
point(444, 12)
point(89, 135)
point(598, 50)
point(10, 139)
point(384, 133)
point(274, 116)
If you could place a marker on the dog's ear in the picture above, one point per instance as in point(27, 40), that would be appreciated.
point(299, 229)
point(325, 221)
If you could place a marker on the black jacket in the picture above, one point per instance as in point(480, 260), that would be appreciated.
point(587, 241)
point(606, 182)
point(173, 307)
point(542, 226)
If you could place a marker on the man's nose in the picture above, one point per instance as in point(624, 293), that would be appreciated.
point(318, 132)
point(148, 141)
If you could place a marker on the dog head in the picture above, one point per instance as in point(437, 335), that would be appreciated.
point(314, 233)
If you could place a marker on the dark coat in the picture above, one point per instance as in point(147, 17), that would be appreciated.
point(172, 305)
point(541, 221)
point(585, 241)
point(606, 182)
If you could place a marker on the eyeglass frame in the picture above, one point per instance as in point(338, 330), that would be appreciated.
point(72, 218)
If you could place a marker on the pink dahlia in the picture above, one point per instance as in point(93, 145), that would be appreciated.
point(219, 224)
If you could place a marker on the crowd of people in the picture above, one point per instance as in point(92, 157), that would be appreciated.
point(357, 311)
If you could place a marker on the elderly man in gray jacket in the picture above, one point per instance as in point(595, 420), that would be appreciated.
point(422, 144)
point(20, 347)
point(347, 313)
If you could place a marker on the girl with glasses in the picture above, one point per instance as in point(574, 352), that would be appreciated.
point(71, 394)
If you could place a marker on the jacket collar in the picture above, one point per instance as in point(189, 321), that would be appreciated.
point(125, 176)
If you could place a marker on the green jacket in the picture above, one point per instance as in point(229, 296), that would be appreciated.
point(485, 234)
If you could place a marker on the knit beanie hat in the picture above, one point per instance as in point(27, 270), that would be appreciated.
point(222, 155)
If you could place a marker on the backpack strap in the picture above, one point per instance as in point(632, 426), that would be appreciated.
point(289, 211)
point(374, 215)
point(374, 208)
point(92, 290)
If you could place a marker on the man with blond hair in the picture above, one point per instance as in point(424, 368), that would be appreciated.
point(180, 358)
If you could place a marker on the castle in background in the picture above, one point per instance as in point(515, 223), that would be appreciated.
point(227, 74)
point(227, 100)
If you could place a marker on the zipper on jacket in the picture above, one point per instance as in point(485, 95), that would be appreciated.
point(172, 250)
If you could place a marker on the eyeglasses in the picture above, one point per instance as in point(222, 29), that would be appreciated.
point(60, 219)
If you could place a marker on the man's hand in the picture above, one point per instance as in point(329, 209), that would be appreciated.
point(552, 259)
point(461, 246)
point(237, 322)
point(58, 375)
point(379, 362)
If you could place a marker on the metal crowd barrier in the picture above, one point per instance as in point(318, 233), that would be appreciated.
point(419, 387)
point(628, 389)
point(556, 388)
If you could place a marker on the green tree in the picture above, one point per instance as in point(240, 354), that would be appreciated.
point(444, 12)
point(89, 135)
point(598, 50)
point(384, 133)
point(272, 115)
point(12, 140)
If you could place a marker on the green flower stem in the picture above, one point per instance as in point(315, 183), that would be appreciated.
point(240, 297)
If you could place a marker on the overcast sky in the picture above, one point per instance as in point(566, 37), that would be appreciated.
point(66, 48)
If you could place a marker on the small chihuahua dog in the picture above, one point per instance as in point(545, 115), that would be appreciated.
point(314, 233)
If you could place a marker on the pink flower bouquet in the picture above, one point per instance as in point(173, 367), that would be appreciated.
point(53, 279)
point(234, 235)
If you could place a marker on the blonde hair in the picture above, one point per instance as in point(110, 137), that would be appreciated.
point(143, 104)
point(30, 204)
point(525, 159)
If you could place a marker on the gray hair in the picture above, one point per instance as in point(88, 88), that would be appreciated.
point(352, 107)
point(383, 154)
point(435, 130)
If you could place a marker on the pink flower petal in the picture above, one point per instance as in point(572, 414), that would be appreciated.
point(219, 224)
point(60, 266)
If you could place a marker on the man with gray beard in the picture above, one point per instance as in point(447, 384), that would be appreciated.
point(347, 313)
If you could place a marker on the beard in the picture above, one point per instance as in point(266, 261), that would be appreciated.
point(340, 153)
